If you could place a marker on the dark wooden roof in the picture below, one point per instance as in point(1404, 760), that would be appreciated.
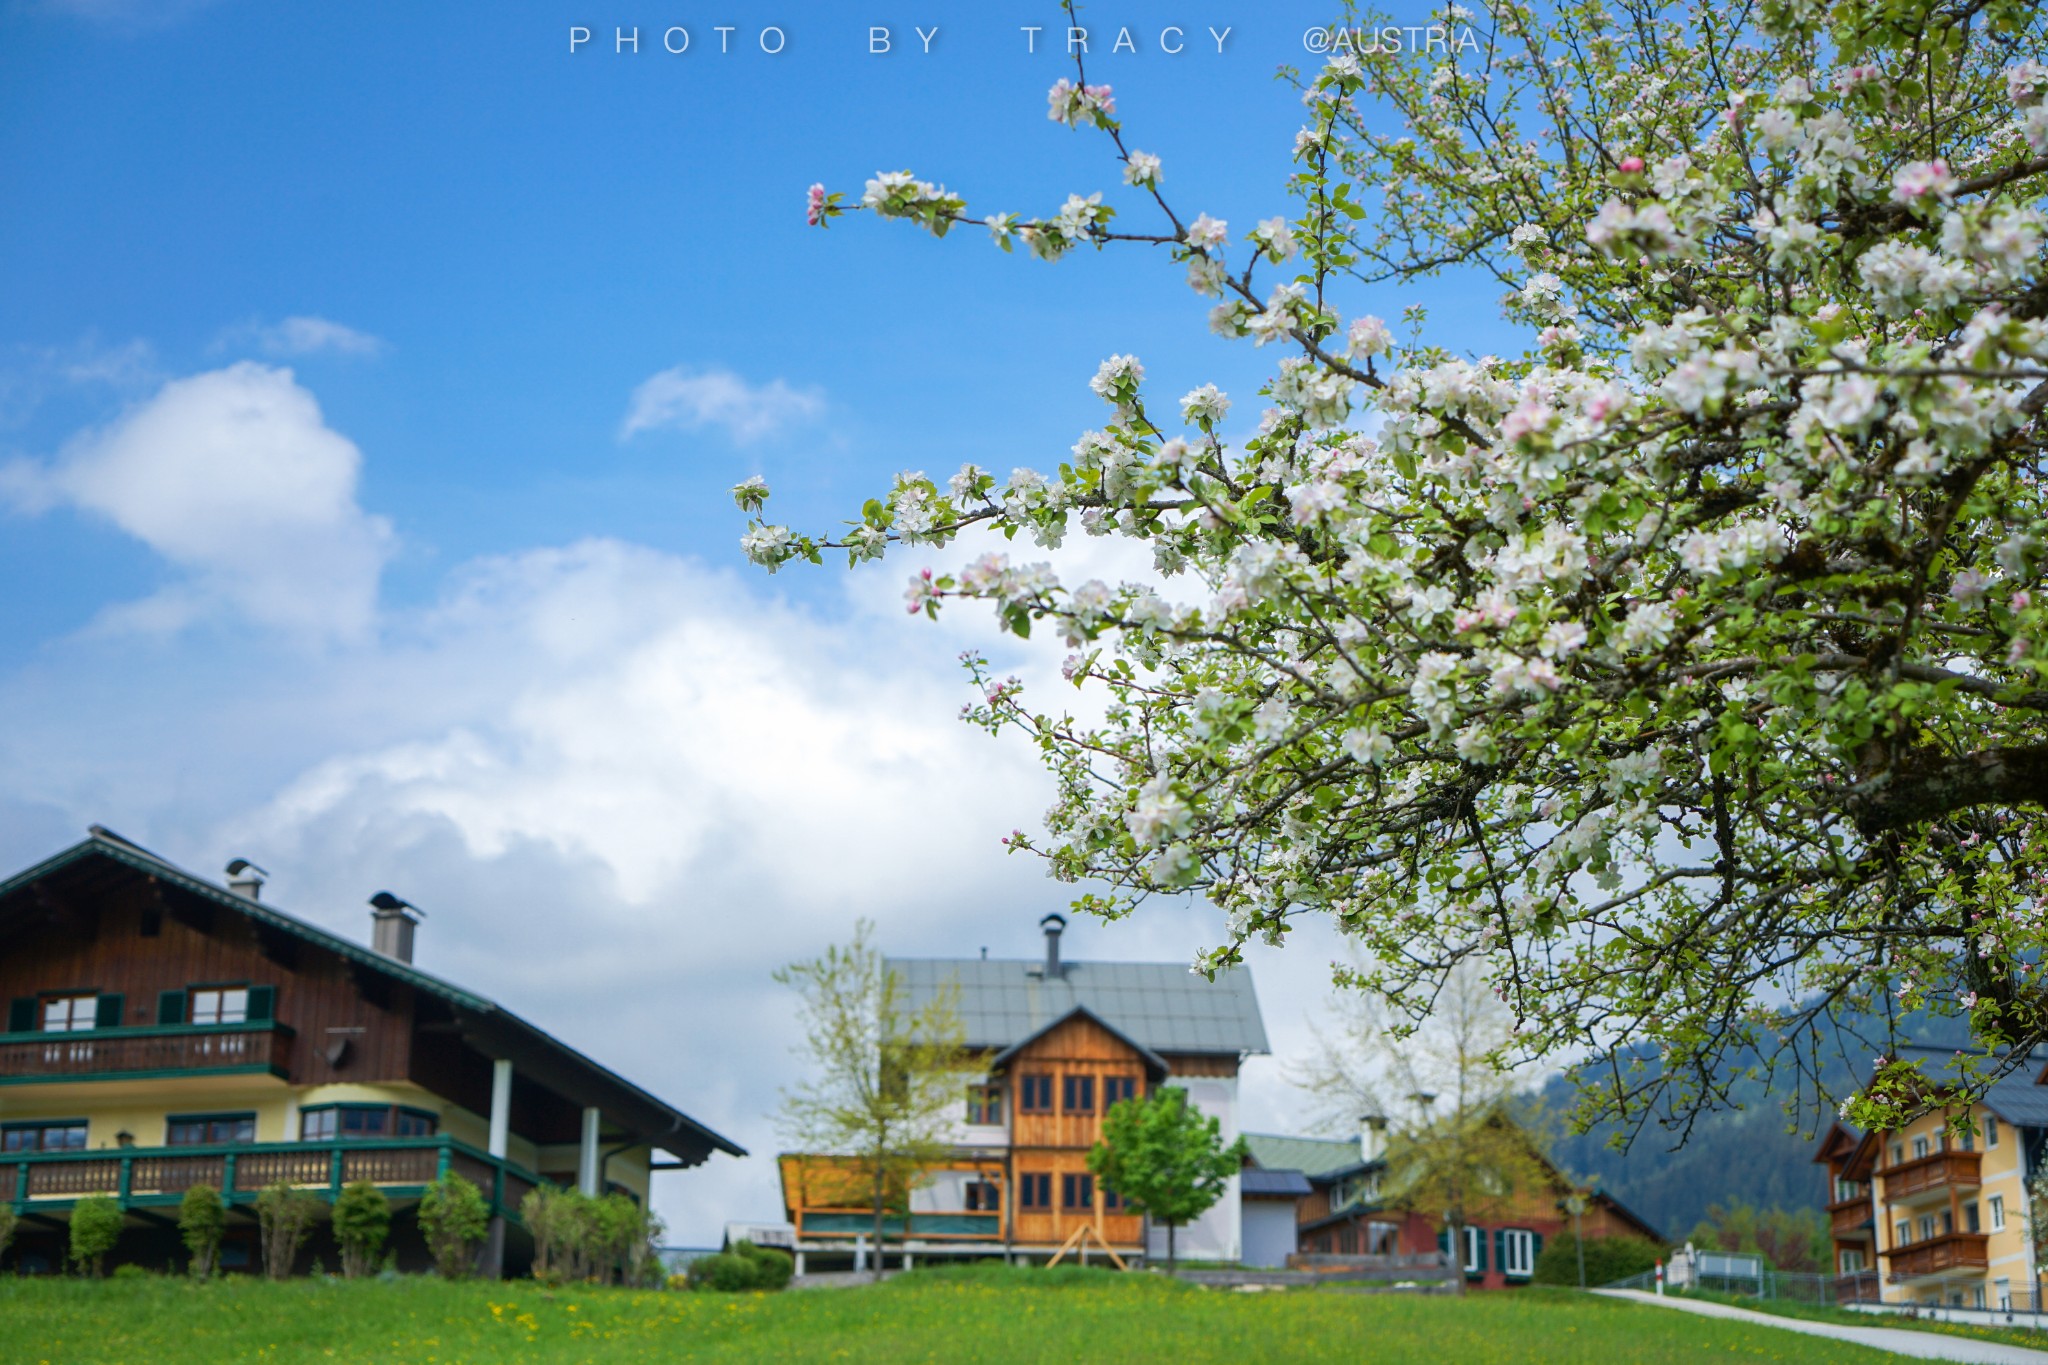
point(105, 861)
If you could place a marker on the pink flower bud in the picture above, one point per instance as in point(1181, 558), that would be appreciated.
point(1630, 165)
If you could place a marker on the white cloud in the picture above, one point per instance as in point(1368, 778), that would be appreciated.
point(234, 478)
point(302, 336)
point(688, 399)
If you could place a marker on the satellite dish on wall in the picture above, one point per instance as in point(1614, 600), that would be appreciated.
point(338, 1053)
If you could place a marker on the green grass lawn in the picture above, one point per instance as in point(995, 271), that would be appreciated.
point(983, 1316)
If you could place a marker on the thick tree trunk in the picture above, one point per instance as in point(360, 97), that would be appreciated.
point(1924, 786)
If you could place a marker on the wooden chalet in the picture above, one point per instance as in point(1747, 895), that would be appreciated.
point(1062, 1041)
point(1351, 1211)
point(165, 1031)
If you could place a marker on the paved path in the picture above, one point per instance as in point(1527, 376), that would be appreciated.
point(1903, 1341)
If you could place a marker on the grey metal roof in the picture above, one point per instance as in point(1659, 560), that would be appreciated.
point(2016, 1097)
point(1256, 1183)
point(1312, 1156)
point(1160, 1005)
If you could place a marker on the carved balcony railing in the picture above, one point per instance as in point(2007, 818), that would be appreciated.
point(167, 1050)
point(1850, 1218)
point(145, 1176)
point(1934, 1173)
point(1932, 1255)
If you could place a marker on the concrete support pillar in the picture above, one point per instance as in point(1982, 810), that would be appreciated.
point(501, 1107)
point(588, 1178)
point(799, 1263)
point(490, 1262)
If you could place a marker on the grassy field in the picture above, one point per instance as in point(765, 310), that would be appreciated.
point(1000, 1316)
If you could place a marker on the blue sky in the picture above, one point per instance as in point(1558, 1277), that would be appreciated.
point(333, 543)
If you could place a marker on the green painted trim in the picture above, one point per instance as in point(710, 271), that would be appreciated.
point(159, 1074)
point(144, 1031)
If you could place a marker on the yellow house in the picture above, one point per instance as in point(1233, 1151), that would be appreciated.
point(1930, 1217)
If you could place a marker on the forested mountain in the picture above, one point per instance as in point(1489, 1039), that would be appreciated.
point(1754, 1153)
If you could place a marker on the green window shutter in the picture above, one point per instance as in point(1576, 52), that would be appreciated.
point(1535, 1250)
point(1443, 1241)
point(21, 1015)
point(170, 1007)
point(1500, 1250)
point(262, 1004)
point(107, 1010)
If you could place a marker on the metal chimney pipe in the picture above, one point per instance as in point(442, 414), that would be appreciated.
point(246, 879)
point(391, 925)
point(1053, 924)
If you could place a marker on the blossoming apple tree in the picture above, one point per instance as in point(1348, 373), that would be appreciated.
point(1683, 669)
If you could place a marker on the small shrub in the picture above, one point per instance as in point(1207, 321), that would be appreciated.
point(1607, 1259)
point(284, 1217)
point(454, 1218)
point(746, 1267)
point(202, 1222)
point(95, 1227)
point(131, 1271)
point(362, 1221)
point(562, 1227)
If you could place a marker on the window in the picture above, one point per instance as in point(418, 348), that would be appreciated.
point(69, 1013)
point(1919, 1147)
point(1898, 1154)
point(60, 1135)
point(1852, 1261)
point(1518, 1252)
point(1926, 1226)
point(1077, 1191)
point(1034, 1190)
point(220, 1005)
point(1034, 1094)
point(983, 1196)
point(1977, 1296)
point(1968, 1142)
point(194, 1130)
point(2001, 1294)
point(1848, 1189)
point(1112, 1202)
point(1991, 1130)
point(1078, 1095)
point(358, 1122)
point(1970, 1216)
point(1905, 1231)
point(985, 1104)
point(1997, 1202)
point(1116, 1089)
point(1475, 1251)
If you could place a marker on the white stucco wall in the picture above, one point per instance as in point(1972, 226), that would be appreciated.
point(1217, 1235)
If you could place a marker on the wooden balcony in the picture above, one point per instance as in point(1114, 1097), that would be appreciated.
point(1935, 1173)
point(1857, 1287)
point(170, 1050)
point(1931, 1256)
point(961, 1226)
point(1850, 1219)
point(142, 1177)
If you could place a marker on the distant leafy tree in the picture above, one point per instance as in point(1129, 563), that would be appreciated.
point(886, 1078)
point(362, 1220)
point(284, 1219)
point(454, 1218)
point(95, 1227)
point(1607, 1259)
point(1461, 1154)
point(202, 1222)
point(1165, 1159)
point(1788, 1239)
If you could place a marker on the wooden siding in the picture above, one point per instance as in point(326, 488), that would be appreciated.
point(1079, 1047)
point(101, 947)
point(1049, 1227)
point(1199, 1064)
